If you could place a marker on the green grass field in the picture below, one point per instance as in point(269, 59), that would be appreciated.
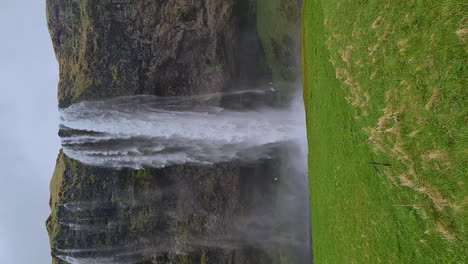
point(385, 82)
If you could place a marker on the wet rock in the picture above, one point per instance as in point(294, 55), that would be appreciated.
point(180, 214)
point(109, 48)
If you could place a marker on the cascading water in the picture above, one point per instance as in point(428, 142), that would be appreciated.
point(155, 131)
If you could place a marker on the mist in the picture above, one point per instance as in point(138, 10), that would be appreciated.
point(150, 131)
point(153, 131)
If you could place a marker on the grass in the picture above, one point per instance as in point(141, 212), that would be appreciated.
point(385, 82)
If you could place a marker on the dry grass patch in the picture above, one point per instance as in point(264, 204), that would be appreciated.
point(425, 66)
point(377, 22)
point(409, 178)
point(402, 45)
point(346, 55)
point(435, 155)
point(434, 100)
point(356, 32)
point(406, 180)
point(446, 234)
point(359, 63)
point(398, 150)
point(341, 74)
point(435, 196)
point(462, 33)
point(373, 75)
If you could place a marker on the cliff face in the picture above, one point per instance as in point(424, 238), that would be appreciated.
point(120, 47)
point(180, 214)
point(175, 215)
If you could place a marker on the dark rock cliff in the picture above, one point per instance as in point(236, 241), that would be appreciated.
point(180, 214)
point(121, 47)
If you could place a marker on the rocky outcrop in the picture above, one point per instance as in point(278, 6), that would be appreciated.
point(175, 215)
point(180, 214)
point(111, 48)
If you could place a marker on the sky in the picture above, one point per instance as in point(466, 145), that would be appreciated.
point(28, 130)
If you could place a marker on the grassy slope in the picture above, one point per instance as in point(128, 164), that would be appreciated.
point(385, 82)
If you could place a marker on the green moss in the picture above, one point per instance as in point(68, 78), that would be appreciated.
point(56, 190)
point(77, 56)
point(104, 185)
point(182, 231)
point(204, 258)
point(214, 61)
point(115, 73)
point(142, 177)
point(92, 178)
point(198, 221)
point(75, 178)
point(140, 221)
point(67, 243)
point(184, 259)
point(74, 164)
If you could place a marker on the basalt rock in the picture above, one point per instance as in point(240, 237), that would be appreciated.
point(178, 214)
point(109, 48)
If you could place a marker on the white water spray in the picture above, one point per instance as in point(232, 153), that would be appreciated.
point(155, 131)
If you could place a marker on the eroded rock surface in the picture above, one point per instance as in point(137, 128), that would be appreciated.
point(111, 48)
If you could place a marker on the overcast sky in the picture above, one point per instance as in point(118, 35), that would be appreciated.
point(28, 131)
